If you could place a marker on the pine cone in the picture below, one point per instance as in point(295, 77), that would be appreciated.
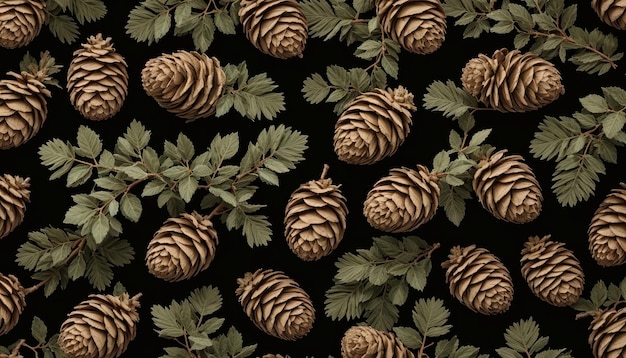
point(507, 188)
point(367, 342)
point(403, 200)
point(479, 280)
point(419, 26)
point(608, 333)
point(607, 230)
point(276, 304)
point(14, 195)
point(552, 272)
point(612, 12)
point(512, 81)
point(275, 27)
point(21, 21)
point(187, 84)
point(182, 247)
point(315, 218)
point(274, 356)
point(373, 125)
point(12, 302)
point(97, 79)
point(100, 327)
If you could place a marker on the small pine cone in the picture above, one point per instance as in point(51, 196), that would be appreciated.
point(14, 195)
point(367, 342)
point(511, 81)
point(315, 218)
point(187, 84)
point(607, 231)
point(275, 27)
point(20, 21)
point(12, 302)
point(276, 304)
point(403, 200)
point(479, 280)
point(507, 188)
point(419, 26)
point(612, 12)
point(373, 125)
point(183, 247)
point(100, 327)
point(608, 333)
point(97, 79)
point(552, 272)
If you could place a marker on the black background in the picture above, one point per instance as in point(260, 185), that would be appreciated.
point(428, 136)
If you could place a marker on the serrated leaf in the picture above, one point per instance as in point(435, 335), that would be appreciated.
point(224, 23)
point(99, 272)
point(599, 294)
point(78, 175)
point(344, 301)
point(206, 300)
point(131, 207)
point(38, 330)
point(616, 94)
point(613, 123)
point(380, 313)
point(203, 34)
point(520, 336)
point(445, 347)
point(448, 98)
point(416, 276)
point(187, 188)
point(453, 204)
point(521, 40)
point(506, 352)
point(116, 251)
point(575, 178)
point(89, 143)
point(315, 89)
point(153, 187)
point(77, 267)
point(399, 292)
point(409, 337)
point(257, 230)
point(64, 28)
point(430, 317)
point(166, 322)
point(594, 103)
point(351, 268)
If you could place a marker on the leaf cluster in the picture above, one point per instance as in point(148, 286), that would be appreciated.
point(601, 297)
point(45, 65)
point(64, 16)
point(523, 340)
point(373, 282)
point(49, 346)
point(581, 144)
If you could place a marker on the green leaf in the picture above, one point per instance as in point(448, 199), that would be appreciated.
point(448, 98)
point(134, 172)
point(416, 276)
point(89, 143)
point(228, 197)
point(506, 352)
point(521, 40)
point(77, 267)
point(409, 337)
point(78, 175)
point(257, 99)
point(378, 275)
point(39, 330)
point(326, 20)
point(430, 317)
point(351, 268)
point(453, 203)
point(117, 252)
point(594, 103)
point(187, 187)
point(148, 21)
point(206, 300)
point(223, 148)
point(441, 161)
point(99, 272)
point(257, 230)
point(544, 21)
point(64, 28)
point(616, 94)
point(368, 49)
point(199, 342)
point(446, 347)
point(153, 187)
point(613, 123)
point(315, 89)
point(599, 294)
point(267, 176)
point(520, 336)
point(166, 322)
point(100, 228)
point(575, 178)
point(224, 23)
point(380, 313)
point(399, 292)
point(345, 301)
point(131, 207)
point(554, 138)
point(203, 34)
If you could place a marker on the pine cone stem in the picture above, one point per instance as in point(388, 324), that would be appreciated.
point(324, 172)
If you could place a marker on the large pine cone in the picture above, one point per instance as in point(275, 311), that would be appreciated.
point(507, 188)
point(14, 195)
point(479, 280)
point(186, 83)
point(552, 272)
point(12, 302)
point(276, 304)
point(402, 200)
point(419, 26)
point(511, 81)
point(100, 327)
point(373, 125)
point(368, 342)
point(97, 79)
point(612, 12)
point(315, 218)
point(275, 27)
point(608, 333)
point(183, 247)
point(607, 231)
point(20, 21)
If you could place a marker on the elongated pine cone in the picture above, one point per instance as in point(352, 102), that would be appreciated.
point(315, 218)
point(21, 21)
point(97, 79)
point(275, 27)
point(419, 26)
point(276, 304)
point(612, 12)
point(368, 342)
point(479, 280)
point(373, 125)
point(183, 247)
point(100, 327)
point(607, 230)
point(186, 83)
point(511, 81)
point(14, 196)
point(12, 302)
point(552, 271)
point(608, 333)
point(507, 188)
point(402, 200)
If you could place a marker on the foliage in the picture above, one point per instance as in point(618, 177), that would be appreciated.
point(63, 16)
point(48, 346)
point(582, 144)
point(45, 65)
point(601, 296)
point(523, 340)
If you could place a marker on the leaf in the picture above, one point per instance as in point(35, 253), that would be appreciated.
point(380, 313)
point(99, 272)
point(445, 347)
point(378, 275)
point(616, 94)
point(479, 137)
point(77, 267)
point(38, 330)
point(575, 178)
point(554, 136)
point(134, 172)
point(78, 175)
point(116, 251)
point(257, 230)
point(205, 300)
point(326, 20)
point(149, 21)
point(352, 268)
point(520, 336)
point(224, 23)
point(166, 322)
point(409, 337)
point(89, 143)
point(203, 34)
point(416, 276)
point(100, 227)
point(506, 352)
point(430, 317)
point(131, 207)
point(64, 28)
point(599, 294)
point(153, 187)
point(448, 98)
point(453, 204)
point(223, 148)
point(257, 98)
point(267, 176)
point(88, 10)
point(368, 49)
point(399, 292)
point(594, 103)
point(315, 89)
point(344, 301)
point(613, 123)
point(187, 187)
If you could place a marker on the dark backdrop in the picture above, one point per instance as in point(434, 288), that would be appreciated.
point(428, 136)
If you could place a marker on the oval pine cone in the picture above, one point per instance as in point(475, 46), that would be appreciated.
point(608, 333)
point(12, 302)
point(607, 230)
point(612, 12)
point(14, 196)
point(21, 21)
point(367, 342)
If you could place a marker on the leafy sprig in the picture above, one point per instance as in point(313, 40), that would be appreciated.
point(582, 144)
point(601, 297)
point(373, 282)
point(48, 346)
point(63, 15)
point(523, 341)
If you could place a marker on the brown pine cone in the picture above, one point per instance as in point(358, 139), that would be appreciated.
point(315, 218)
point(100, 327)
point(507, 188)
point(14, 196)
point(419, 26)
point(183, 247)
point(275, 356)
point(612, 12)
point(97, 79)
point(276, 304)
point(607, 230)
point(402, 200)
point(373, 125)
point(511, 81)
point(187, 84)
point(12, 302)
point(608, 333)
point(21, 21)
point(367, 342)
point(479, 280)
point(552, 272)
point(275, 27)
